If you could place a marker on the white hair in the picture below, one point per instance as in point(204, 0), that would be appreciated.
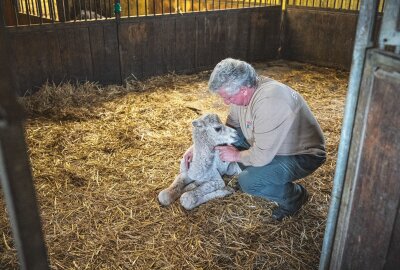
point(231, 74)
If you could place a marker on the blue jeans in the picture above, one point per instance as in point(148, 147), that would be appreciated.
point(274, 181)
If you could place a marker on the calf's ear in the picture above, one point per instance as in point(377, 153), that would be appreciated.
point(197, 123)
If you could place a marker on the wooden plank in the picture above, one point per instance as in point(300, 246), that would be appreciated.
point(168, 40)
point(218, 42)
point(185, 43)
point(76, 53)
point(203, 49)
point(344, 38)
point(97, 51)
point(29, 64)
point(153, 55)
point(236, 47)
point(112, 68)
point(264, 43)
point(54, 70)
point(132, 37)
point(105, 57)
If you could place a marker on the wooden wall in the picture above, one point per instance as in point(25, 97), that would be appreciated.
point(197, 41)
point(320, 36)
point(147, 46)
point(85, 51)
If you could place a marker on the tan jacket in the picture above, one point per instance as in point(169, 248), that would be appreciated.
point(277, 121)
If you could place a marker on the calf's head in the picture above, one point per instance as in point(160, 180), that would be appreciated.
point(209, 130)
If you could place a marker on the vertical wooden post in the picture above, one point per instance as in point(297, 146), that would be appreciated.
point(15, 174)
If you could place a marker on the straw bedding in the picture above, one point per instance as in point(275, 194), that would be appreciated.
point(100, 155)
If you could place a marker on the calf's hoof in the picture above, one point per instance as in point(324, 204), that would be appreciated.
point(164, 198)
point(187, 201)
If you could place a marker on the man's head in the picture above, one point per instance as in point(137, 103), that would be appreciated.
point(234, 80)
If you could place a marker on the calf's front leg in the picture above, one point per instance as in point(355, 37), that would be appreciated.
point(203, 193)
point(174, 191)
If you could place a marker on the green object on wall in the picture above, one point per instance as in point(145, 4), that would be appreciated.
point(117, 8)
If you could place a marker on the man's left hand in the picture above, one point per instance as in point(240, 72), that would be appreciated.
point(228, 153)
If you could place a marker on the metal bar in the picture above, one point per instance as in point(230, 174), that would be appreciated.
point(137, 7)
point(90, 10)
point(51, 11)
point(79, 11)
point(84, 10)
point(154, 7)
point(365, 26)
point(383, 4)
point(74, 11)
point(170, 7)
point(46, 6)
point(40, 12)
point(61, 10)
point(15, 174)
point(101, 8)
point(27, 8)
point(162, 7)
point(145, 7)
point(15, 14)
point(117, 12)
point(96, 12)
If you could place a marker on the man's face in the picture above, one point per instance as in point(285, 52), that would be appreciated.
point(241, 98)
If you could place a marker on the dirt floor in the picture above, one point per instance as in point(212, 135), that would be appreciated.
point(100, 155)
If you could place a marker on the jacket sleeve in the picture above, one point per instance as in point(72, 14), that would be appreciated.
point(272, 120)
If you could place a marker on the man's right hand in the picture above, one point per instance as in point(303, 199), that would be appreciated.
point(188, 157)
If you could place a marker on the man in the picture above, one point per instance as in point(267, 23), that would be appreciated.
point(281, 141)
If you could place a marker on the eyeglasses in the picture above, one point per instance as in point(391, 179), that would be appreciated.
point(229, 98)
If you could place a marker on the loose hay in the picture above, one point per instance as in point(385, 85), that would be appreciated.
point(100, 155)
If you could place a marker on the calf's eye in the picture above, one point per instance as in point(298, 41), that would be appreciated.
point(218, 129)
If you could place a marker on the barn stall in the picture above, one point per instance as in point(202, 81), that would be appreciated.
point(101, 152)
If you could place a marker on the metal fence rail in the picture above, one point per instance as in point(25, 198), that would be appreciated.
point(332, 4)
point(28, 12)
